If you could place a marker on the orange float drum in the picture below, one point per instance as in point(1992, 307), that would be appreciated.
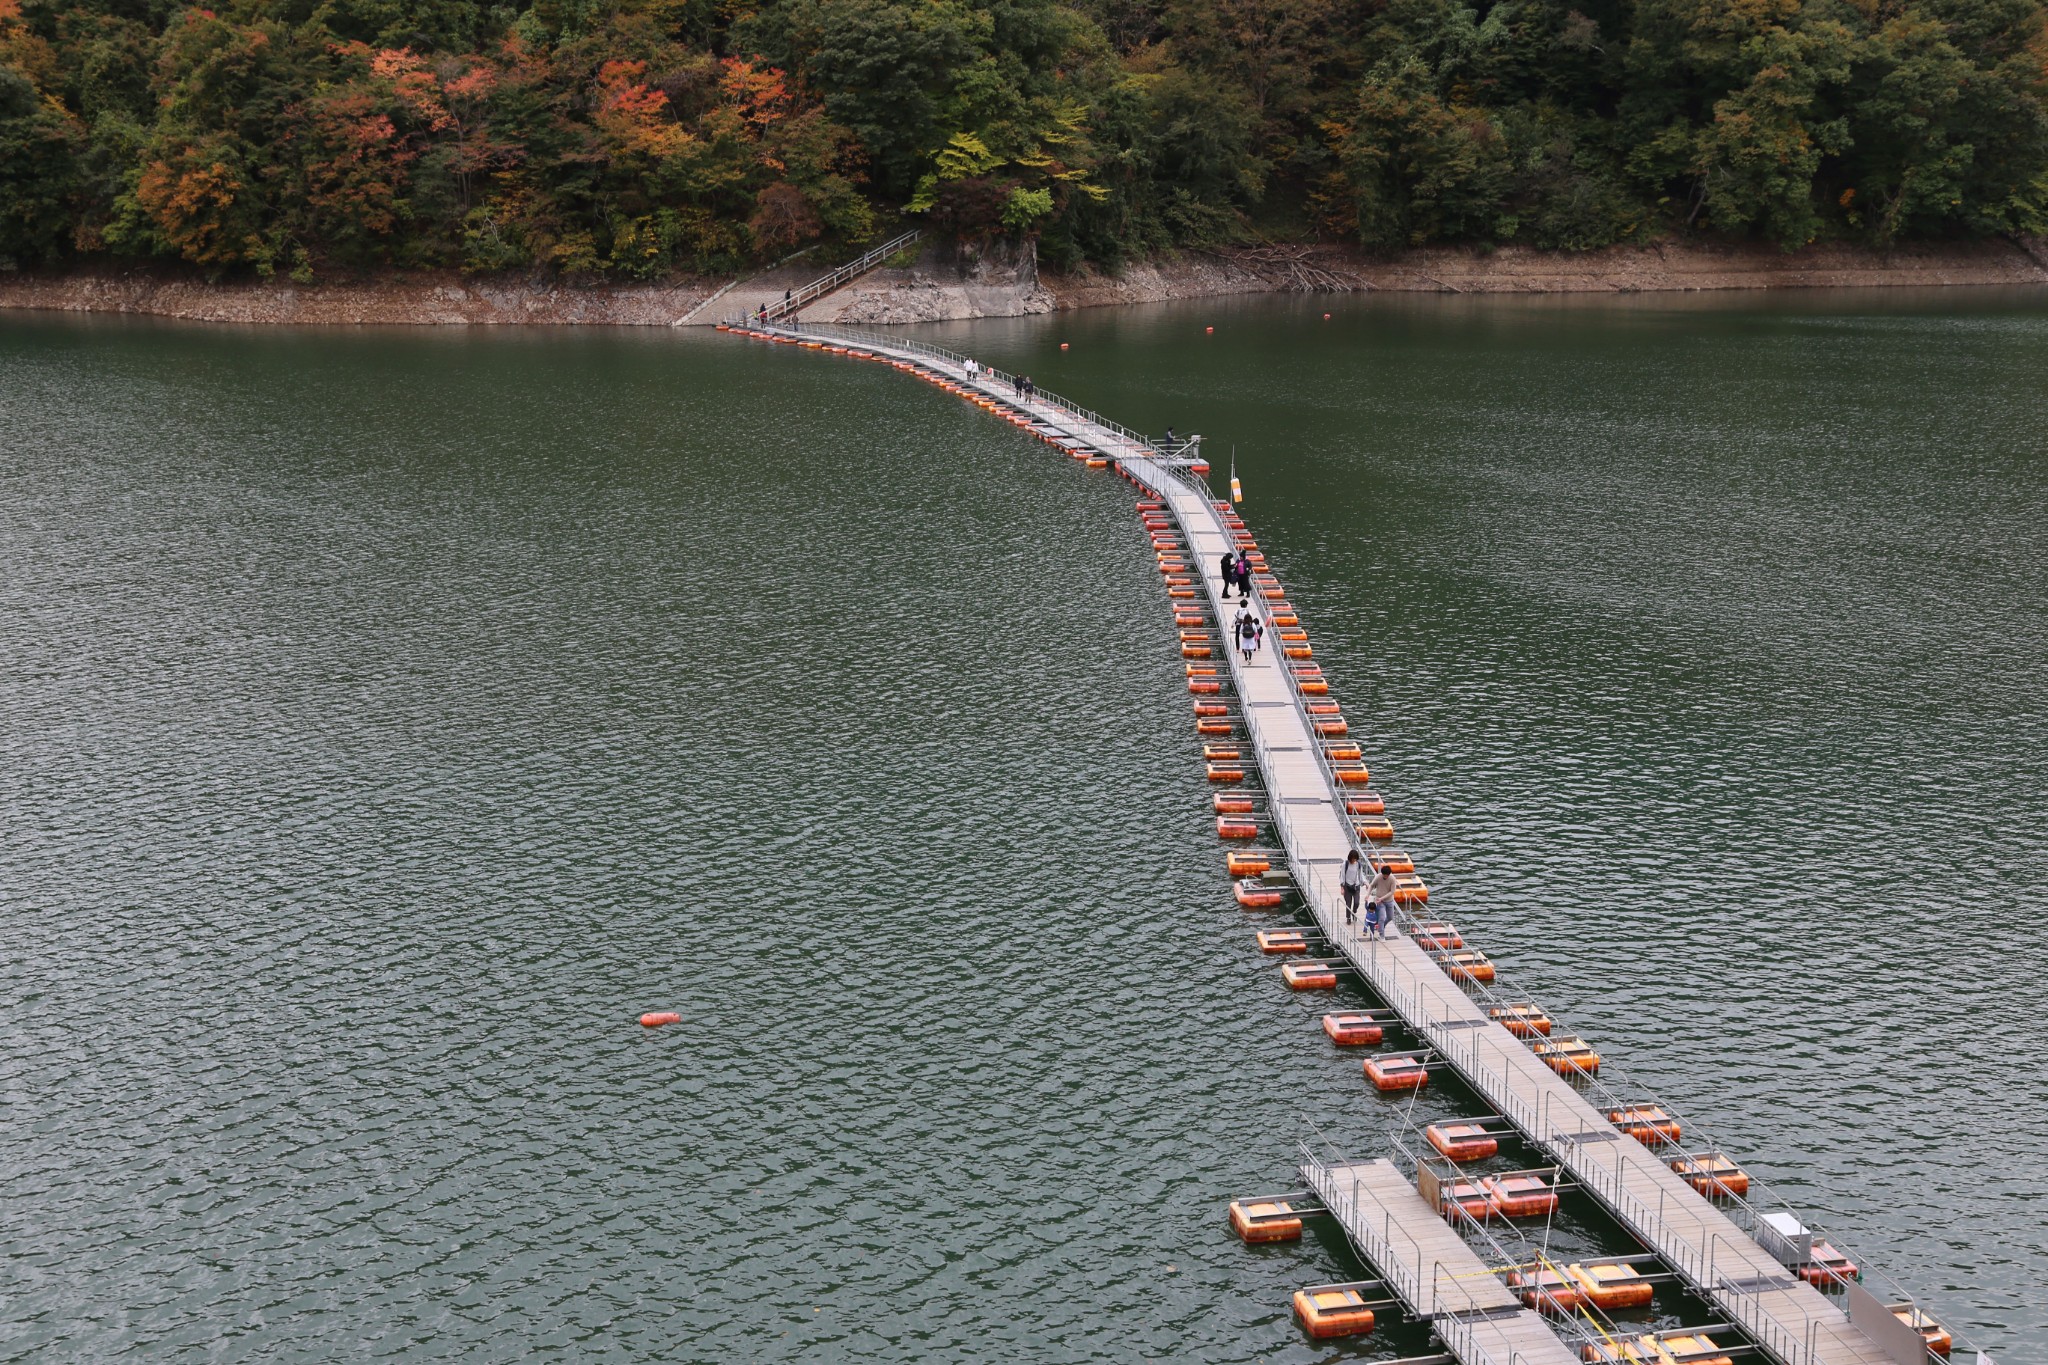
point(1462, 1141)
point(1236, 827)
point(1520, 1196)
point(1282, 941)
point(1437, 937)
point(1264, 1220)
point(1713, 1175)
point(1396, 1073)
point(1254, 895)
point(1250, 862)
point(1468, 965)
point(1610, 1286)
point(1647, 1124)
point(1546, 1289)
point(1468, 1198)
point(1309, 976)
point(1524, 1021)
point(1569, 1057)
point(1353, 1030)
point(1327, 1313)
point(1828, 1267)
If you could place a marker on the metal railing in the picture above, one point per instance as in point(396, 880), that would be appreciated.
point(985, 378)
point(798, 299)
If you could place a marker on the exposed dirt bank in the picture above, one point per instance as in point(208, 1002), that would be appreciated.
point(994, 285)
point(1520, 270)
point(418, 299)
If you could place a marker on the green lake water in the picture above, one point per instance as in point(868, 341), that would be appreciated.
point(388, 717)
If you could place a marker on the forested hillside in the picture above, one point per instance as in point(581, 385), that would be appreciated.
point(634, 138)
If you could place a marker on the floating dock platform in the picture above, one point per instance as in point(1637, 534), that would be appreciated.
point(1426, 1263)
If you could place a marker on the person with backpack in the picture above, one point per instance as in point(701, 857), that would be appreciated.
point(1352, 881)
point(1249, 634)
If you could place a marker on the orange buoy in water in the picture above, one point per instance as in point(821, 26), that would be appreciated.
point(1367, 802)
point(1221, 753)
point(1520, 1196)
point(1353, 1030)
point(1264, 1220)
point(1713, 1175)
point(1396, 1073)
point(1205, 686)
point(1470, 965)
point(1252, 894)
point(1221, 772)
point(1309, 976)
point(1208, 331)
point(1282, 941)
point(1524, 1021)
point(1462, 1141)
point(1326, 317)
point(1210, 708)
point(1827, 1267)
point(657, 1020)
point(1236, 827)
point(1063, 345)
point(1437, 937)
point(1211, 725)
point(1546, 1289)
point(1236, 489)
point(1232, 803)
point(1568, 1056)
point(1609, 1285)
point(1647, 1124)
point(1328, 1313)
point(1250, 862)
point(1395, 861)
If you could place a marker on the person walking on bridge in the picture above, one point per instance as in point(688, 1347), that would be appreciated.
point(1228, 573)
point(1249, 634)
point(1379, 907)
point(1244, 575)
point(1352, 880)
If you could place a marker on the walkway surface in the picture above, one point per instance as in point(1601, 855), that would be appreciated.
point(1793, 1321)
point(1430, 1267)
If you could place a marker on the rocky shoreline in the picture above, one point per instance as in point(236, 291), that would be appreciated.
point(944, 288)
